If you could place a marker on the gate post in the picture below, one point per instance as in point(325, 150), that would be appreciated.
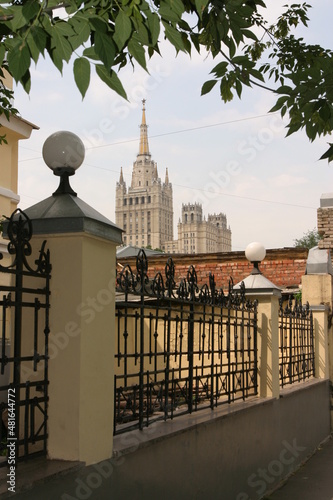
point(267, 294)
point(268, 341)
point(317, 289)
point(82, 245)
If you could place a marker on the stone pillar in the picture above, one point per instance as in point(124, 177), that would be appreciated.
point(268, 342)
point(267, 294)
point(82, 246)
point(317, 289)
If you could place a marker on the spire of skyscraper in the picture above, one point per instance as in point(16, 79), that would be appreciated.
point(144, 148)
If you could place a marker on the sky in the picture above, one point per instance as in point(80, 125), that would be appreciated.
point(233, 158)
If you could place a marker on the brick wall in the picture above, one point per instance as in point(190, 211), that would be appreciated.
point(284, 267)
point(325, 227)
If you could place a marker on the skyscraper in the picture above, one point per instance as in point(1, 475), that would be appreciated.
point(145, 209)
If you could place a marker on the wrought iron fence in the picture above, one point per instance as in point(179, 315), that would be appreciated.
point(24, 322)
point(179, 348)
point(297, 359)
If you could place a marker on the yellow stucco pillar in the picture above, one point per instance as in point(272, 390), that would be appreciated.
point(81, 348)
point(267, 294)
point(82, 246)
point(317, 290)
point(268, 344)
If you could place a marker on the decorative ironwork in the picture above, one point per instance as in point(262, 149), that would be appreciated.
point(180, 347)
point(297, 359)
point(24, 303)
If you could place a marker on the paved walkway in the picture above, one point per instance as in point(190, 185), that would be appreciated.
point(313, 481)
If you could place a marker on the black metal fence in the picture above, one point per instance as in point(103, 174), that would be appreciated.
point(179, 348)
point(297, 358)
point(24, 323)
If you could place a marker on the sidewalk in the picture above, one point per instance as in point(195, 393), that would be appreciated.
point(313, 481)
point(35, 472)
point(59, 480)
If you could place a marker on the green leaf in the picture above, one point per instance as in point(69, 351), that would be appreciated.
point(207, 86)
point(81, 70)
point(325, 112)
point(123, 29)
point(171, 10)
point(249, 34)
point(177, 6)
point(105, 49)
point(284, 89)
point(61, 49)
point(279, 103)
point(232, 47)
point(70, 6)
point(30, 9)
point(111, 79)
point(64, 28)
point(240, 60)
point(18, 20)
point(200, 6)
point(220, 69)
point(91, 53)
point(174, 37)
point(137, 51)
point(143, 34)
point(239, 88)
point(292, 128)
point(154, 26)
point(82, 32)
point(328, 154)
point(168, 14)
point(34, 51)
point(98, 24)
point(26, 82)
point(2, 54)
point(18, 59)
point(257, 74)
point(36, 40)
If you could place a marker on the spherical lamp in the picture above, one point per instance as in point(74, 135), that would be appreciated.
point(63, 152)
point(255, 252)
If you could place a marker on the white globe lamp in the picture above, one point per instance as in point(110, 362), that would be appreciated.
point(63, 152)
point(255, 252)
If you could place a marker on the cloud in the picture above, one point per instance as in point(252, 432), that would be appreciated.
point(286, 180)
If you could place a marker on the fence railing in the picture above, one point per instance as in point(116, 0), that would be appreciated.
point(24, 320)
point(297, 357)
point(179, 348)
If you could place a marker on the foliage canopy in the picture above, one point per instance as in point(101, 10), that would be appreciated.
point(115, 33)
point(309, 239)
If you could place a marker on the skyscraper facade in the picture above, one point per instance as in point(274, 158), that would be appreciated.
point(144, 211)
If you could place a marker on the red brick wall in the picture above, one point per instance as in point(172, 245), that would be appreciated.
point(284, 267)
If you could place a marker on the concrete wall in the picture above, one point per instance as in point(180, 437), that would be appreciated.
point(236, 452)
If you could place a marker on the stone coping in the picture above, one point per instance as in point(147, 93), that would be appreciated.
point(129, 442)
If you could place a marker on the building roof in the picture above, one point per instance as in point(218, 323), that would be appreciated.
point(132, 251)
point(67, 213)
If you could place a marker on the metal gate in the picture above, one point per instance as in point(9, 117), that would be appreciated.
point(24, 323)
point(297, 350)
point(179, 348)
